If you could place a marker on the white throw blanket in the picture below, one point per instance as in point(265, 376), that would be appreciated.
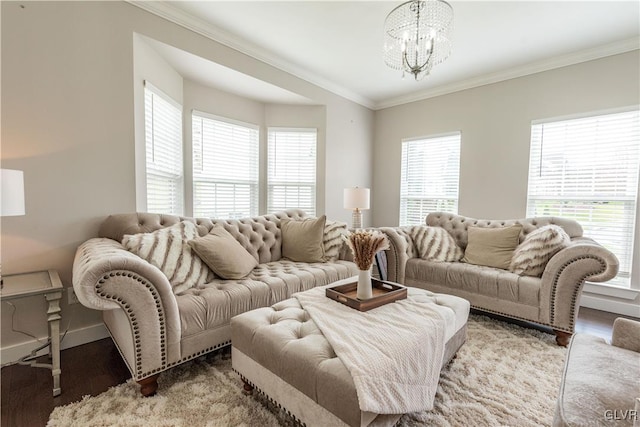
point(393, 352)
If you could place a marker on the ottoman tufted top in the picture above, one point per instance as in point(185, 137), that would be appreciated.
point(286, 341)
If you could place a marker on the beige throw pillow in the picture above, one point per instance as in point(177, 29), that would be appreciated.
point(332, 240)
point(532, 255)
point(302, 241)
point(224, 254)
point(168, 250)
point(492, 247)
point(435, 244)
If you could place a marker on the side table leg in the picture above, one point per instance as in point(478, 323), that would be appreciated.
point(53, 318)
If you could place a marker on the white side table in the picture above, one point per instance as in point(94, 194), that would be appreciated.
point(45, 283)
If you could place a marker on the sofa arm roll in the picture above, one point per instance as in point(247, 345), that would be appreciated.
point(399, 252)
point(564, 277)
point(583, 248)
point(626, 334)
point(106, 276)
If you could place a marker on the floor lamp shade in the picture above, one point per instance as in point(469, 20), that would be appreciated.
point(12, 193)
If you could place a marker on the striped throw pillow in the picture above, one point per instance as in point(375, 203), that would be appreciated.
point(168, 250)
point(435, 244)
point(332, 239)
point(532, 255)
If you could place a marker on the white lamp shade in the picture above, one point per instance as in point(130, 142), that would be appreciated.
point(12, 193)
point(356, 198)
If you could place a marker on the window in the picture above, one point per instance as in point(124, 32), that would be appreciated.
point(291, 177)
point(429, 178)
point(225, 167)
point(587, 169)
point(163, 136)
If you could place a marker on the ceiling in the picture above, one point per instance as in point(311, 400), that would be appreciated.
point(338, 44)
point(211, 74)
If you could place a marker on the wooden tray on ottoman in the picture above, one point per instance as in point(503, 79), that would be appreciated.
point(383, 293)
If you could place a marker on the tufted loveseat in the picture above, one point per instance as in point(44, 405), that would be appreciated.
point(551, 300)
point(155, 329)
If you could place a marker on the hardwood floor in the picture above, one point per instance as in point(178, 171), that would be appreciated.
point(27, 397)
point(26, 393)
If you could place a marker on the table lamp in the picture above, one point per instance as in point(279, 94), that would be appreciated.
point(12, 196)
point(12, 185)
point(356, 199)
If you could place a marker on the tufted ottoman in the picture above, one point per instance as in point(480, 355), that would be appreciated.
point(280, 351)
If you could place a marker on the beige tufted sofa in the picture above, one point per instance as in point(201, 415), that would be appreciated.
point(153, 328)
point(551, 300)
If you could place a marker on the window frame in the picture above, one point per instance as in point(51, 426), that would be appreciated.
point(405, 193)
point(617, 285)
point(310, 210)
point(178, 204)
point(254, 186)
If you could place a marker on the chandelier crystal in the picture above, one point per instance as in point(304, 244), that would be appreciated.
point(417, 36)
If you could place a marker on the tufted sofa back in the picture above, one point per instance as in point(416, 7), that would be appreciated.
point(259, 235)
point(457, 225)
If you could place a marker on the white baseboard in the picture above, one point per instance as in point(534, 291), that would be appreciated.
point(618, 307)
point(73, 338)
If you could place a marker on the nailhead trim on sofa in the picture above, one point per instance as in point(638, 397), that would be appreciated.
point(576, 290)
point(134, 322)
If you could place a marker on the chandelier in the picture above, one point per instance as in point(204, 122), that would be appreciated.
point(417, 36)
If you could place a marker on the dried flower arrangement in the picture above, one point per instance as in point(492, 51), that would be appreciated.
point(365, 244)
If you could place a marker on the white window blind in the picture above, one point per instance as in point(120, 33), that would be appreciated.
point(225, 167)
point(164, 168)
point(429, 178)
point(587, 169)
point(291, 176)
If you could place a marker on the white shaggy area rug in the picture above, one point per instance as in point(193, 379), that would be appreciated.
point(504, 375)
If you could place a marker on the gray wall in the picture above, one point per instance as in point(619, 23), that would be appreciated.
point(68, 91)
point(495, 121)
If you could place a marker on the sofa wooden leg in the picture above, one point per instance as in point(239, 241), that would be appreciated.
point(149, 385)
point(247, 388)
point(562, 338)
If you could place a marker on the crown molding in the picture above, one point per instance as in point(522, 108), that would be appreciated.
point(521, 71)
point(179, 17)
